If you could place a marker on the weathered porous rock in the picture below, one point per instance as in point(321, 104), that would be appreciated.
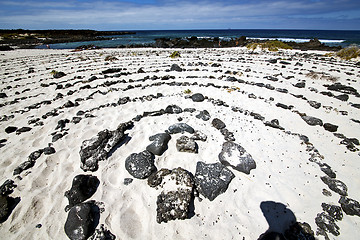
point(102, 233)
point(180, 128)
point(342, 88)
point(198, 97)
point(35, 155)
point(22, 130)
point(274, 124)
point(335, 185)
point(281, 105)
point(57, 137)
point(111, 70)
point(272, 60)
point(97, 148)
point(299, 231)
point(342, 97)
point(330, 127)
point(312, 121)
point(186, 144)
point(176, 68)
point(235, 156)
point(174, 201)
point(81, 221)
point(140, 165)
point(49, 150)
point(198, 135)
point(334, 211)
point(328, 171)
point(69, 104)
point(350, 206)
point(155, 179)
point(7, 187)
point(76, 120)
point(173, 109)
point(59, 75)
point(83, 187)
point(204, 115)
point(300, 85)
point(228, 136)
point(23, 166)
point(10, 129)
point(211, 180)
point(315, 104)
point(159, 144)
point(218, 124)
point(327, 223)
point(62, 123)
point(4, 208)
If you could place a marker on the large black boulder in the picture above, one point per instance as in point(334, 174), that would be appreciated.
point(83, 187)
point(140, 165)
point(159, 143)
point(212, 179)
point(235, 156)
point(97, 148)
point(82, 221)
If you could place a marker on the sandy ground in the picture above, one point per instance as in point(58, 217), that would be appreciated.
point(284, 174)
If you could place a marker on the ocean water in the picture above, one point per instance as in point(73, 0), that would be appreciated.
point(328, 37)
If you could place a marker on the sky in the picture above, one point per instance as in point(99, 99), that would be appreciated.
point(180, 14)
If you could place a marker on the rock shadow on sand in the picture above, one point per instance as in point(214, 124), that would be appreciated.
point(282, 223)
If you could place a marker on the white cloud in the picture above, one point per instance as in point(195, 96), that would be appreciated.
point(173, 13)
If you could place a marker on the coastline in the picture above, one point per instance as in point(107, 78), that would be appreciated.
point(245, 89)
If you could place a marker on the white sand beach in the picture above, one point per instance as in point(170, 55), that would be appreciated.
point(241, 88)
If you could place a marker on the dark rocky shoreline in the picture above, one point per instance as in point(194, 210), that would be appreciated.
point(32, 38)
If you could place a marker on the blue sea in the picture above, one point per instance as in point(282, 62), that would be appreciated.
point(328, 37)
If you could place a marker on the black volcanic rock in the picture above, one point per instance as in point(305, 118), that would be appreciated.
point(211, 180)
point(159, 143)
point(204, 115)
point(335, 185)
point(83, 187)
point(327, 223)
point(350, 206)
point(175, 199)
point(140, 165)
point(312, 121)
point(198, 97)
point(235, 156)
point(59, 75)
point(97, 148)
point(218, 124)
point(180, 128)
point(186, 144)
point(10, 129)
point(330, 127)
point(171, 109)
point(82, 221)
point(176, 68)
point(333, 211)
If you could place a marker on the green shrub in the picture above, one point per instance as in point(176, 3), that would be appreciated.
point(271, 45)
point(53, 72)
point(187, 91)
point(349, 52)
point(175, 54)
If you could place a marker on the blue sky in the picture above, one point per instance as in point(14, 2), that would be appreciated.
point(180, 14)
